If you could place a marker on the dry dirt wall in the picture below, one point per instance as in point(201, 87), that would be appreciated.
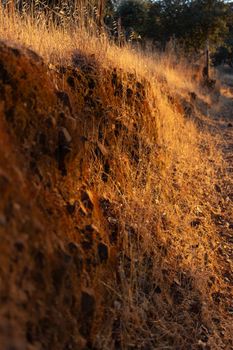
point(54, 237)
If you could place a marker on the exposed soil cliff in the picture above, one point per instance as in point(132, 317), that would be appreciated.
point(58, 237)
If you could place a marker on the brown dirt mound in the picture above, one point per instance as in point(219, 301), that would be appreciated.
point(56, 243)
point(52, 250)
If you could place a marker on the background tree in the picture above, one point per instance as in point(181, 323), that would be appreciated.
point(154, 28)
point(190, 22)
point(224, 53)
point(209, 22)
point(134, 15)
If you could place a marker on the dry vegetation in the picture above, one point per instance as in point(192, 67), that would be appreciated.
point(154, 174)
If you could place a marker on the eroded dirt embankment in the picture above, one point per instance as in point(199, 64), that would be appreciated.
point(52, 251)
point(68, 278)
point(58, 237)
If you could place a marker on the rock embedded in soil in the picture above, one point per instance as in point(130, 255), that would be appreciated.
point(73, 247)
point(87, 200)
point(195, 306)
point(64, 98)
point(64, 136)
point(71, 82)
point(158, 290)
point(70, 208)
point(88, 307)
point(103, 252)
point(19, 245)
point(68, 122)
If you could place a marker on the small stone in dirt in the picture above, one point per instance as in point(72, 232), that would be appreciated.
point(195, 306)
point(70, 123)
point(64, 136)
point(202, 345)
point(102, 149)
point(89, 228)
point(158, 290)
point(87, 311)
point(78, 261)
point(87, 241)
point(60, 154)
point(38, 277)
point(39, 259)
point(51, 122)
point(64, 97)
point(67, 122)
point(129, 93)
point(71, 82)
point(70, 208)
point(73, 247)
point(222, 333)
point(19, 246)
point(216, 320)
point(117, 305)
point(83, 138)
point(86, 200)
point(193, 96)
point(103, 252)
point(204, 334)
point(91, 84)
point(58, 275)
point(106, 172)
point(30, 332)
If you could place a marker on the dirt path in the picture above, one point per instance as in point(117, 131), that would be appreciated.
point(223, 124)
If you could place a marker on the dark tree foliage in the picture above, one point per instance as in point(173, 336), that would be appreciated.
point(191, 22)
point(224, 53)
point(133, 15)
point(209, 22)
point(154, 29)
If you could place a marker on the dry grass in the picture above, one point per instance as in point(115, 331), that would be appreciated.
point(163, 202)
point(55, 44)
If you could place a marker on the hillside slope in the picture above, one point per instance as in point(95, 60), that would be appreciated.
point(109, 208)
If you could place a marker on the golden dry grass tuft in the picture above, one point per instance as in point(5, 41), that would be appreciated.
point(161, 185)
